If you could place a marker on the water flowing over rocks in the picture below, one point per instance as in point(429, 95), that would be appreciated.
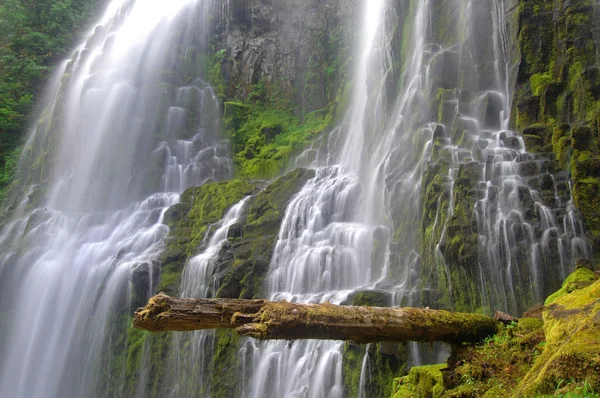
point(422, 153)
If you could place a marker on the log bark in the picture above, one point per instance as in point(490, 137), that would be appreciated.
point(267, 320)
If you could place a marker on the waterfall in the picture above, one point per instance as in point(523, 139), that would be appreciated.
point(422, 192)
point(323, 251)
point(127, 128)
point(190, 353)
point(357, 225)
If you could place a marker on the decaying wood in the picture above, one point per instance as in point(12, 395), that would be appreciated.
point(266, 320)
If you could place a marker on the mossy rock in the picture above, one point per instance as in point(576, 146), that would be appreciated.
point(371, 298)
point(580, 278)
point(189, 221)
point(244, 261)
point(421, 381)
point(572, 329)
point(266, 210)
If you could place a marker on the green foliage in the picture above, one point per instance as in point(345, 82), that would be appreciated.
point(34, 35)
point(224, 380)
point(7, 172)
point(215, 72)
point(422, 381)
point(575, 389)
point(264, 138)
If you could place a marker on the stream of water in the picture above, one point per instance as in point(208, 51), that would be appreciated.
point(127, 139)
point(128, 126)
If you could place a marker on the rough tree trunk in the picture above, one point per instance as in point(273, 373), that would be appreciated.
point(266, 320)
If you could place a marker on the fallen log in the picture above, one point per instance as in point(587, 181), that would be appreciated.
point(265, 320)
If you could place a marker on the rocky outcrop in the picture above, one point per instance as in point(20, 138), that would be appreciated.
point(292, 49)
point(190, 220)
point(244, 261)
point(558, 95)
point(551, 55)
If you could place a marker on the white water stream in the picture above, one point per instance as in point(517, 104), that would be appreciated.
point(115, 123)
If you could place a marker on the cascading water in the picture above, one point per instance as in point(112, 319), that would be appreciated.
point(129, 127)
point(355, 225)
point(322, 254)
point(422, 166)
point(190, 360)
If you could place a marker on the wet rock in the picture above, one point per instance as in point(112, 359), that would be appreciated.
point(144, 278)
point(511, 142)
point(581, 138)
point(439, 132)
point(550, 96)
point(528, 111)
point(494, 105)
point(244, 263)
point(547, 182)
point(37, 218)
point(524, 157)
point(524, 195)
point(465, 101)
point(542, 131)
point(492, 195)
point(592, 75)
point(463, 128)
point(586, 167)
point(529, 168)
point(371, 298)
point(444, 70)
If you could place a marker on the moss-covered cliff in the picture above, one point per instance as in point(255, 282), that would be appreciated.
point(557, 98)
point(282, 72)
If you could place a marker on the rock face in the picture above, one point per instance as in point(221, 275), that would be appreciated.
point(244, 262)
point(554, 117)
point(190, 220)
point(292, 47)
point(558, 98)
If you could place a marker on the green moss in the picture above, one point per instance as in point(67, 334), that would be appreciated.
point(224, 379)
point(264, 138)
point(189, 221)
point(529, 325)
point(539, 82)
point(572, 330)
point(563, 151)
point(580, 277)
point(386, 361)
point(214, 67)
point(422, 381)
point(371, 298)
point(266, 211)
point(247, 260)
point(352, 364)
